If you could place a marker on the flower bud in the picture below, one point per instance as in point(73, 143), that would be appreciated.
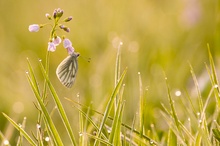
point(48, 16)
point(62, 26)
point(57, 13)
point(68, 19)
point(66, 29)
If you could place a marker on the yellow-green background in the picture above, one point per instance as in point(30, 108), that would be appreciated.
point(159, 37)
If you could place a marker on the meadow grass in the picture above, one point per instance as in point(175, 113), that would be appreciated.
point(196, 129)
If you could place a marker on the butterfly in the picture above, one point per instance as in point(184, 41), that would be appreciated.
point(67, 69)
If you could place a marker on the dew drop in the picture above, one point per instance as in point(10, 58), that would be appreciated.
point(47, 138)
point(198, 113)
point(189, 119)
point(215, 86)
point(109, 131)
point(178, 93)
point(121, 43)
point(151, 142)
point(20, 125)
point(27, 72)
point(6, 142)
point(38, 126)
point(80, 134)
point(200, 121)
point(40, 60)
point(139, 73)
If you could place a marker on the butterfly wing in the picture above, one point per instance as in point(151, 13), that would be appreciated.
point(67, 69)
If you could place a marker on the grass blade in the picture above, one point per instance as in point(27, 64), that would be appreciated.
point(20, 138)
point(109, 105)
point(172, 139)
point(216, 134)
point(116, 126)
point(18, 127)
point(131, 128)
point(141, 108)
point(90, 120)
point(117, 70)
point(49, 123)
point(117, 137)
point(32, 75)
point(197, 89)
point(214, 78)
point(174, 114)
point(59, 106)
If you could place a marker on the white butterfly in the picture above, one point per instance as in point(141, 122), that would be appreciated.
point(67, 69)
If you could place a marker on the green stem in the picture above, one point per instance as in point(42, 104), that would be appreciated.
point(48, 58)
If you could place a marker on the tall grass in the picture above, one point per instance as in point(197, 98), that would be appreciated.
point(197, 128)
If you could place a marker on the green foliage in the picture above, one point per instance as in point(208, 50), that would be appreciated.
point(195, 130)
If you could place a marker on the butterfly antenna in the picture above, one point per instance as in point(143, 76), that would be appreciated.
point(87, 59)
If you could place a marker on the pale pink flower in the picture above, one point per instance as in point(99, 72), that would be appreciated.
point(67, 43)
point(57, 41)
point(34, 28)
point(51, 46)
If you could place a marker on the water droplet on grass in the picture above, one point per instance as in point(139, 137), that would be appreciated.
point(47, 138)
point(215, 86)
point(80, 134)
point(19, 125)
point(151, 142)
point(178, 93)
point(38, 126)
point(6, 142)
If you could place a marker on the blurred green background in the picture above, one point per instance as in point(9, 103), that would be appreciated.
point(161, 36)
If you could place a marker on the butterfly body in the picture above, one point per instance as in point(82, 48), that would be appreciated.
point(67, 69)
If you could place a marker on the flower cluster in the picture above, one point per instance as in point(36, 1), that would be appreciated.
point(55, 40)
